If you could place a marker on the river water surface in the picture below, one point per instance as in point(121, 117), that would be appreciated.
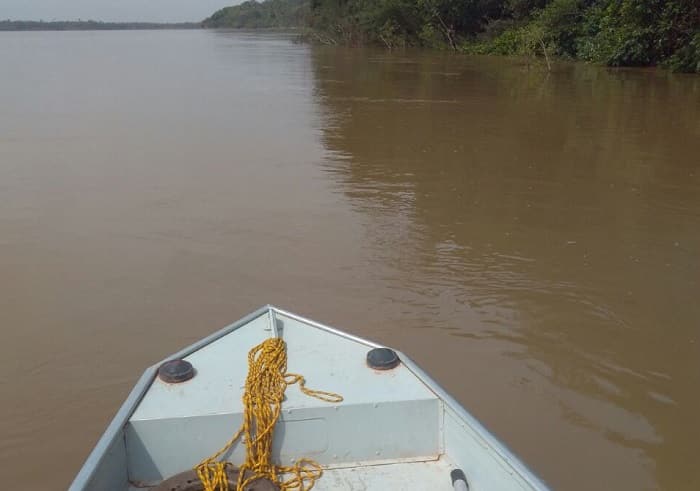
point(532, 239)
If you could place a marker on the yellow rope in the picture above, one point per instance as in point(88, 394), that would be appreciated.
point(262, 403)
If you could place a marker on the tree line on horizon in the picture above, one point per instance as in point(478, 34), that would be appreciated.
point(610, 32)
point(268, 14)
point(89, 25)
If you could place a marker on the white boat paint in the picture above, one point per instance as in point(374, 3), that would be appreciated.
point(395, 429)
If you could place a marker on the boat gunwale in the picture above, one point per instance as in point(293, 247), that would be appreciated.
point(121, 418)
point(116, 427)
point(491, 442)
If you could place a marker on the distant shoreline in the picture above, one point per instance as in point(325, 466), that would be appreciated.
point(91, 25)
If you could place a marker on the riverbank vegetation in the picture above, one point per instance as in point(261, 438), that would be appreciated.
point(610, 32)
point(266, 14)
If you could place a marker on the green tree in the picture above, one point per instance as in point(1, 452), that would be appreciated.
point(612, 32)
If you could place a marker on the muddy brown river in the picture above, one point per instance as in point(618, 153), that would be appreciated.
point(532, 239)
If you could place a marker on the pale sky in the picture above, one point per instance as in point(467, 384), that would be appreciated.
point(112, 10)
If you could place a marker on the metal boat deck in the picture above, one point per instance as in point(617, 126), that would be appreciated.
point(394, 429)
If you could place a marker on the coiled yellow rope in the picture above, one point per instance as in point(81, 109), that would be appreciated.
point(265, 384)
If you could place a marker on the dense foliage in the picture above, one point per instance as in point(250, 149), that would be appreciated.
point(613, 32)
point(267, 14)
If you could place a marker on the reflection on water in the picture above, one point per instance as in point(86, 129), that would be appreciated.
point(560, 214)
point(531, 239)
